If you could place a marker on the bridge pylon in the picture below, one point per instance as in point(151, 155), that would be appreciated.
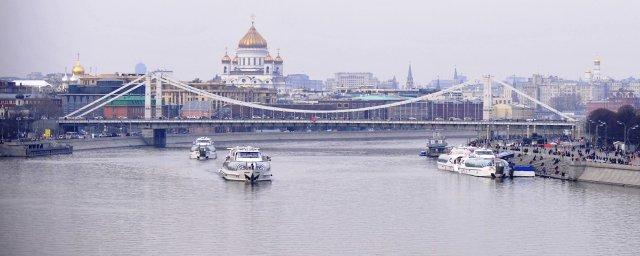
point(147, 96)
point(158, 97)
point(487, 99)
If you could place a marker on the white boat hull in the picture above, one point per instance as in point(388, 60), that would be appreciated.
point(247, 171)
point(478, 172)
point(208, 155)
point(250, 176)
point(446, 167)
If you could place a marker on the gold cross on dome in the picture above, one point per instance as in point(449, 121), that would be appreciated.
point(253, 18)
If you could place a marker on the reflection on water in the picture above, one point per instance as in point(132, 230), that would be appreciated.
point(333, 197)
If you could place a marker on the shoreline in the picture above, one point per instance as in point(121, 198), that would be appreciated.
point(185, 140)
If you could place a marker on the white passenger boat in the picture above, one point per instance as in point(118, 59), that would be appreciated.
point(484, 153)
point(482, 167)
point(448, 162)
point(443, 162)
point(203, 149)
point(246, 164)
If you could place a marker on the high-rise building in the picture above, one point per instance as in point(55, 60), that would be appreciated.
point(253, 65)
point(352, 80)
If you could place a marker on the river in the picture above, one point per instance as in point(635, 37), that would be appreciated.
point(326, 198)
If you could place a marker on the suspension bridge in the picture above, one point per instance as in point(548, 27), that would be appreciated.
point(154, 124)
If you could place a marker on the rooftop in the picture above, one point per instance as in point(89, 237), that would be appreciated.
point(370, 97)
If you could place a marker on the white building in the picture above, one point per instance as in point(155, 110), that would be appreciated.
point(352, 80)
point(39, 85)
point(595, 74)
point(253, 65)
point(76, 73)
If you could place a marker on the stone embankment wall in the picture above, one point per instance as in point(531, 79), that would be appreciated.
point(225, 138)
point(609, 173)
point(559, 167)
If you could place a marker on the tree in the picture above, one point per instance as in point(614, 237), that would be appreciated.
point(615, 122)
point(595, 120)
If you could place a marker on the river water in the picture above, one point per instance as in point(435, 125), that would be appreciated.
point(327, 198)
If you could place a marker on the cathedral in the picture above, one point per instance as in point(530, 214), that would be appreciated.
point(77, 72)
point(252, 65)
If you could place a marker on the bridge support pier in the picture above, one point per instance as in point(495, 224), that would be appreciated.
point(147, 97)
point(155, 137)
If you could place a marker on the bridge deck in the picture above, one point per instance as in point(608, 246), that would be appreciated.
point(186, 122)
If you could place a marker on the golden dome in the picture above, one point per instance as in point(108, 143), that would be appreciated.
point(278, 59)
point(252, 39)
point(226, 58)
point(77, 69)
point(268, 58)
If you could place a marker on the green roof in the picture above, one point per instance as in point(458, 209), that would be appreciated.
point(379, 97)
point(129, 100)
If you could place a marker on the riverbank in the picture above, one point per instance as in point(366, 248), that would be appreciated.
point(567, 168)
point(224, 140)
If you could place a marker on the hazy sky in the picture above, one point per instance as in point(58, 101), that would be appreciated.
point(322, 37)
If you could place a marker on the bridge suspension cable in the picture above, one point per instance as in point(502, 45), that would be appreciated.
point(536, 101)
point(125, 89)
point(116, 91)
point(289, 110)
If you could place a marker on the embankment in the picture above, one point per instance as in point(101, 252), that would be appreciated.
point(559, 167)
point(223, 139)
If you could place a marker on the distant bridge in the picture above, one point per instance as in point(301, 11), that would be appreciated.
point(178, 123)
point(299, 118)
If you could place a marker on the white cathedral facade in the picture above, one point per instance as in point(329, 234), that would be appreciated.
point(252, 65)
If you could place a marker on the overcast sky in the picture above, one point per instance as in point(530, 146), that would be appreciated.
point(319, 38)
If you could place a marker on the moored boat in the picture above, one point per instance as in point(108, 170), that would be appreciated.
point(522, 171)
point(484, 153)
point(246, 164)
point(481, 167)
point(436, 145)
point(444, 163)
point(449, 162)
point(34, 148)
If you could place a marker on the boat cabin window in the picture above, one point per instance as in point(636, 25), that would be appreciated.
point(443, 158)
point(477, 162)
point(248, 155)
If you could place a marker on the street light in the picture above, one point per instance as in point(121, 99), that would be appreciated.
point(626, 133)
point(589, 122)
point(624, 136)
point(606, 132)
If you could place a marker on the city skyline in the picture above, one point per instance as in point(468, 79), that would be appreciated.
point(320, 39)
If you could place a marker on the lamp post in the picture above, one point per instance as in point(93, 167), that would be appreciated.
point(600, 123)
point(606, 135)
point(589, 122)
point(606, 131)
point(626, 134)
